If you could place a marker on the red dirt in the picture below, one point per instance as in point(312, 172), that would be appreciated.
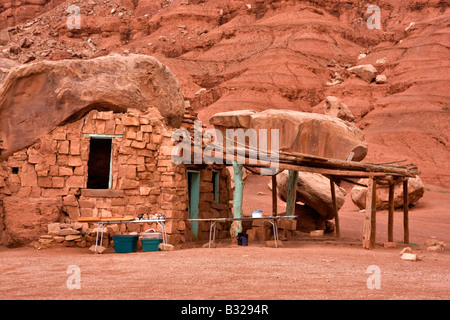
point(274, 55)
point(301, 269)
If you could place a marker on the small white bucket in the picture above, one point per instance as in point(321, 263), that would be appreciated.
point(257, 214)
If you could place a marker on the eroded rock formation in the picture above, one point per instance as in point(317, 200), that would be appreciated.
point(37, 97)
point(416, 190)
point(302, 132)
point(313, 189)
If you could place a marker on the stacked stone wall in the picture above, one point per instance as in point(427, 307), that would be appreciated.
point(47, 182)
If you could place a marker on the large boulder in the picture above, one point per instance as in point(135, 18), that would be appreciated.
point(314, 190)
point(334, 107)
point(367, 72)
point(301, 132)
point(232, 119)
point(416, 190)
point(37, 97)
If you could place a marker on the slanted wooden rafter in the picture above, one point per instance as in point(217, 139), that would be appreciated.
point(336, 170)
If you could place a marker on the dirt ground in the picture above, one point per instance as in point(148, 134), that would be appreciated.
point(301, 269)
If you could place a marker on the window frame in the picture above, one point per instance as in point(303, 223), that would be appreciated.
point(111, 137)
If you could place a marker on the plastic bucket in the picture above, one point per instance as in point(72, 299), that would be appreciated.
point(151, 240)
point(150, 244)
point(242, 239)
point(125, 243)
point(257, 214)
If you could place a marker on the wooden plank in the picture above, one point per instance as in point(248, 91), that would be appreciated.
point(335, 210)
point(405, 212)
point(331, 172)
point(291, 193)
point(325, 166)
point(370, 212)
point(323, 171)
point(350, 165)
point(100, 219)
point(391, 213)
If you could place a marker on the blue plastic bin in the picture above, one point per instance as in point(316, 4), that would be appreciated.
point(125, 243)
point(151, 240)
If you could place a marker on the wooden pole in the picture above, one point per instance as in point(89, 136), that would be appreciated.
point(373, 215)
point(238, 196)
point(405, 212)
point(369, 219)
point(333, 170)
point(335, 210)
point(291, 193)
point(352, 165)
point(391, 213)
point(274, 195)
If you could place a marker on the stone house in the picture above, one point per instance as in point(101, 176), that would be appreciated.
point(105, 159)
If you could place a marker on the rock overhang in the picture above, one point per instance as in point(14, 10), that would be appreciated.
point(37, 97)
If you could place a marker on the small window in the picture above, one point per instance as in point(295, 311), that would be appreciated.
point(15, 170)
point(215, 182)
point(99, 164)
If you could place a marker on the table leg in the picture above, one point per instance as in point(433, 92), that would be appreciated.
point(275, 231)
point(103, 229)
point(96, 240)
point(164, 234)
point(211, 232)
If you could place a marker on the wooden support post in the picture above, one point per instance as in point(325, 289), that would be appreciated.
point(369, 228)
point(391, 213)
point(405, 212)
point(237, 197)
point(274, 195)
point(335, 210)
point(291, 193)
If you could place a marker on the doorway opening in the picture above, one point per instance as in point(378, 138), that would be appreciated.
point(99, 163)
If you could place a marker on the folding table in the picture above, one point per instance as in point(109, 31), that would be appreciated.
point(272, 220)
point(104, 221)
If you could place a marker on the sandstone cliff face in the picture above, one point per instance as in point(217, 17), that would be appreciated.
point(236, 55)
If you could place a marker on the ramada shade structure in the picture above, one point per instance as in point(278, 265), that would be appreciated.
point(308, 142)
point(336, 170)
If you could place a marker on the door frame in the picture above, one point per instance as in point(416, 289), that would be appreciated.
point(193, 184)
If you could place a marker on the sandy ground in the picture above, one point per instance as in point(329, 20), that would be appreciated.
point(301, 269)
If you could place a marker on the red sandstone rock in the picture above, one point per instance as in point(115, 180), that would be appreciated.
point(301, 132)
point(313, 189)
point(66, 90)
point(416, 190)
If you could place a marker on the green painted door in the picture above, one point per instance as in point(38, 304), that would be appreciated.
point(193, 179)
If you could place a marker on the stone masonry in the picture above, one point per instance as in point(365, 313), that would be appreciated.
point(46, 182)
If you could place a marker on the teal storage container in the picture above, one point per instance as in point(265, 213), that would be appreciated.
point(150, 244)
point(125, 243)
point(151, 240)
